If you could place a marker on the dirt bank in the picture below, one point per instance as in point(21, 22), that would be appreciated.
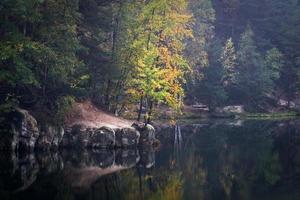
point(85, 113)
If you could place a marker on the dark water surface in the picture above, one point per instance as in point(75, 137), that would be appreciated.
point(200, 160)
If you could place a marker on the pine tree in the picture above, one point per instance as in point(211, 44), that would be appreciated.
point(203, 34)
point(197, 47)
point(228, 60)
point(211, 88)
point(284, 29)
point(250, 83)
point(273, 63)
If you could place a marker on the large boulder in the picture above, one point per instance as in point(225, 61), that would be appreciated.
point(58, 137)
point(74, 137)
point(127, 137)
point(147, 133)
point(103, 137)
point(28, 131)
point(50, 138)
point(86, 137)
point(9, 138)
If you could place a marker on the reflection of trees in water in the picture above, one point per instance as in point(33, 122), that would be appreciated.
point(177, 145)
point(236, 162)
point(220, 162)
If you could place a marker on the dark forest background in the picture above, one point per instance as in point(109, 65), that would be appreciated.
point(148, 53)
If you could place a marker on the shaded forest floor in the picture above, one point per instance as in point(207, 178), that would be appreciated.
point(87, 114)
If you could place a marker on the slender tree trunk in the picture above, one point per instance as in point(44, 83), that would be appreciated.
point(289, 93)
point(119, 87)
point(149, 112)
point(140, 109)
point(114, 38)
point(149, 35)
point(25, 29)
point(142, 98)
point(107, 99)
point(45, 80)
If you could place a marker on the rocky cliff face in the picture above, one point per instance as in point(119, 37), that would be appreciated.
point(22, 135)
point(106, 138)
point(27, 136)
point(50, 138)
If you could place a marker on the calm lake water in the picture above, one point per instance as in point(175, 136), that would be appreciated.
point(211, 160)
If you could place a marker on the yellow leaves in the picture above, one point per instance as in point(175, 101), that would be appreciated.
point(157, 60)
point(19, 47)
point(164, 57)
point(134, 93)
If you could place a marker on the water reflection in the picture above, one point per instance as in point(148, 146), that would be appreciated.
point(204, 160)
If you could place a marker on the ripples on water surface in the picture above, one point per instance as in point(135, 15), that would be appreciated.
point(203, 160)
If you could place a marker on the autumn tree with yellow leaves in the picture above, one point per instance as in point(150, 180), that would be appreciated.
point(159, 65)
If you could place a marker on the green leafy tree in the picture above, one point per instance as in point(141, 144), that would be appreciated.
point(38, 50)
point(284, 29)
point(212, 90)
point(203, 34)
point(197, 47)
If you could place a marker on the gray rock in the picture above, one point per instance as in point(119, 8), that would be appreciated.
point(103, 137)
point(147, 135)
point(28, 132)
point(126, 137)
point(58, 137)
point(237, 109)
point(74, 137)
point(138, 126)
point(50, 138)
point(9, 139)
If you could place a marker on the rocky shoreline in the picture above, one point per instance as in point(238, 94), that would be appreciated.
point(26, 136)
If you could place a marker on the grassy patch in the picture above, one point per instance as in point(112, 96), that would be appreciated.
point(279, 115)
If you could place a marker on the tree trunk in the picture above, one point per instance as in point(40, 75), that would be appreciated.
point(25, 29)
point(149, 112)
point(107, 99)
point(140, 109)
point(149, 35)
point(45, 80)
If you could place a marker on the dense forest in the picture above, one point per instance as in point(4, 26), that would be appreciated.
point(148, 53)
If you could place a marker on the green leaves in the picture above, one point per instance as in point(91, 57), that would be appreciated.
point(274, 63)
point(38, 47)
